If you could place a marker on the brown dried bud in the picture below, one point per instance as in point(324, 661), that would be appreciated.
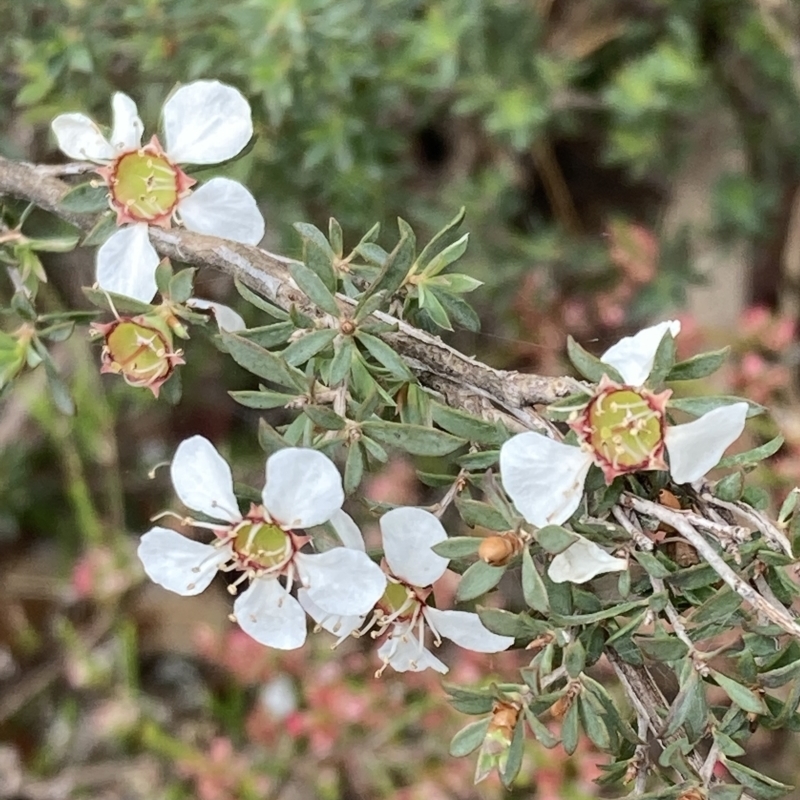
point(564, 703)
point(498, 549)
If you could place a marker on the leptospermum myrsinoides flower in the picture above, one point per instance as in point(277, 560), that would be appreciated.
point(205, 122)
point(303, 489)
point(402, 613)
point(622, 429)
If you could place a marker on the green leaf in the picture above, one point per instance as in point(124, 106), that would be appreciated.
point(103, 228)
point(730, 487)
point(752, 456)
point(698, 366)
point(263, 363)
point(447, 256)
point(259, 302)
point(263, 398)
point(562, 409)
point(598, 616)
point(652, 564)
point(574, 658)
point(539, 730)
point(474, 512)
point(459, 312)
point(764, 787)
point(697, 406)
point(725, 791)
point(60, 394)
point(663, 361)
point(458, 546)
point(468, 427)
point(385, 356)
point(441, 239)
point(86, 198)
point(335, 236)
point(685, 699)
point(479, 461)
point(314, 288)
point(307, 346)
point(745, 698)
point(415, 439)
point(594, 724)
point(570, 729)
point(589, 366)
point(662, 648)
point(469, 738)
point(503, 623)
point(555, 539)
point(269, 439)
point(324, 417)
point(454, 282)
point(269, 335)
point(533, 588)
point(342, 360)
point(470, 701)
point(478, 579)
point(181, 285)
point(353, 467)
point(393, 272)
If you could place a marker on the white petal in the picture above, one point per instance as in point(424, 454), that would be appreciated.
point(268, 613)
point(338, 625)
point(347, 531)
point(404, 654)
point(126, 263)
point(206, 122)
point(633, 356)
point(203, 480)
point(543, 477)
point(582, 561)
point(303, 488)
point(695, 447)
point(81, 139)
point(408, 535)
point(341, 581)
point(467, 630)
point(223, 208)
point(128, 128)
point(180, 564)
point(227, 319)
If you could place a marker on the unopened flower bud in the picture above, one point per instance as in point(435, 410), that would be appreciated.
point(498, 549)
point(494, 750)
point(564, 703)
point(15, 352)
point(140, 349)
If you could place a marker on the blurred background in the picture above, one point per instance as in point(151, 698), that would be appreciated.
point(620, 160)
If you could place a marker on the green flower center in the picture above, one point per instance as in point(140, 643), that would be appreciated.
point(625, 429)
point(262, 544)
point(138, 352)
point(395, 598)
point(145, 185)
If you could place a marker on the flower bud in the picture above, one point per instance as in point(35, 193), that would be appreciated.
point(140, 349)
point(15, 352)
point(498, 549)
point(494, 750)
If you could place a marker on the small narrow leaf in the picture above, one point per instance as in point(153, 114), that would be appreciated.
point(698, 366)
point(589, 366)
point(310, 283)
point(415, 439)
point(385, 356)
point(697, 406)
point(753, 456)
point(478, 579)
point(533, 588)
point(86, 198)
point(745, 698)
point(469, 738)
point(555, 539)
point(307, 346)
point(263, 363)
point(467, 426)
point(476, 513)
point(458, 546)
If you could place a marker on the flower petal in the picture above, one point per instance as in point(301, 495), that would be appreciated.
point(126, 263)
point(227, 319)
point(128, 127)
point(347, 531)
point(466, 630)
point(81, 139)
point(408, 535)
point(203, 480)
point(223, 208)
point(633, 356)
point(338, 625)
point(543, 477)
point(268, 613)
point(179, 564)
point(341, 581)
point(303, 488)
point(404, 654)
point(695, 447)
point(582, 561)
point(206, 122)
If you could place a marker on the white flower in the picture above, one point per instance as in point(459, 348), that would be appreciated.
point(622, 429)
point(205, 122)
point(582, 561)
point(303, 489)
point(402, 612)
